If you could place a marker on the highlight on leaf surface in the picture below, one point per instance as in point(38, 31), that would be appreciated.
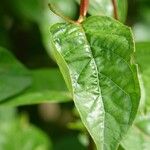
point(96, 60)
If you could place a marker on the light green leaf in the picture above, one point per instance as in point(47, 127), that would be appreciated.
point(16, 134)
point(139, 135)
point(14, 77)
point(105, 7)
point(7, 114)
point(48, 87)
point(96, 60)
point(143, 59)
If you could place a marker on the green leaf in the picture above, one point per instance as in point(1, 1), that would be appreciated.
point(7, 114)
point(139, 135)
point(96, 60)
point(14, 77)
point(105, 7)
point(17, 134)
point(48, 87)
point(143, 59)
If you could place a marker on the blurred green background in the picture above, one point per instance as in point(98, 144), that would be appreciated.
point(24, 30)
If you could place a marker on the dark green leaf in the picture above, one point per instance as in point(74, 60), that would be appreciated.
point(48, 87)
point(96, 60)
point(14, 77)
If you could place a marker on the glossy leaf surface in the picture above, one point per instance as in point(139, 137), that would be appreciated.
point(47, 87)
point(96, 60)
point(14, 77)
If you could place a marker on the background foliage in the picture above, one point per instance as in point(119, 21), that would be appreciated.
point(29, 76)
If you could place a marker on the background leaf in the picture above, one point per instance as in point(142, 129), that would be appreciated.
point(16, 133)
point(143, 59)
point(139, 135)
point(14, 77)
point(48, 87)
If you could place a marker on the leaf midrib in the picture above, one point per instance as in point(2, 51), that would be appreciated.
point(97, 82)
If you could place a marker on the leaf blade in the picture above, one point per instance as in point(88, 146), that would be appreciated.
point(95, 92)
point(14, 127)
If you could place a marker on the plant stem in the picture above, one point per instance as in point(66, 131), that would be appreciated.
point(115, 9)
point(84, 4)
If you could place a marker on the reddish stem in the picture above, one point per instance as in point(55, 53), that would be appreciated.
point(84, 7)
point(84, 4)
point(115, 9)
